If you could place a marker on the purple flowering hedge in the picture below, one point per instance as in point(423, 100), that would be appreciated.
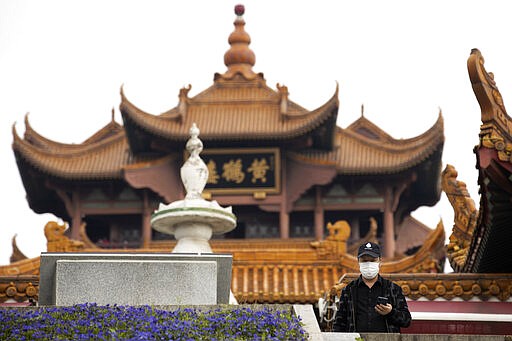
point(93, 322)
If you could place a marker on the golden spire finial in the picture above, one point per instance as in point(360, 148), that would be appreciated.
point(239, 58)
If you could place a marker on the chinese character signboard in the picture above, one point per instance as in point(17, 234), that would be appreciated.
point(248, 170)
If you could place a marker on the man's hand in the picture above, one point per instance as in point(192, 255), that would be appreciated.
point(383, 309)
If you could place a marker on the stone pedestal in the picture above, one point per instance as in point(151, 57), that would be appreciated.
point(134, 279)
point(194, 220)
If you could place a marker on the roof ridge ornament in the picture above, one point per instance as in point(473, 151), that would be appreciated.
point(496, 128)
point(239, 58)
point(283, 97)
point(183, 101)
point(485, 89)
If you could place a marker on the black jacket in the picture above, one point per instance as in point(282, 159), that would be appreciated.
point(400, 316)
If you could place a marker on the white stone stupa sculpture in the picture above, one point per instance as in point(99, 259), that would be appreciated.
point(193, 220)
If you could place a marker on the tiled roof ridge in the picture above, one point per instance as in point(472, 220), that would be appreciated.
point(334, 99)
point(416, 149)
point(44, 144)
point(399, 144)
point(143, 119)
point(111, 128)
point(45, 161)
point(35, 138)
point(67, 150)
point(364, 122)
point(273, 98)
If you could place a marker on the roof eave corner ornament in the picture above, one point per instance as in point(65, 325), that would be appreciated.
point(15, 135)
point(485, 88)
point(124, 100)
point(121, 92)
point(14, 131)
point(337, 94)
point(239, 58)
point(496, 128)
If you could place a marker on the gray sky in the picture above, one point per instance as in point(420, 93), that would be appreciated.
point(65, 61)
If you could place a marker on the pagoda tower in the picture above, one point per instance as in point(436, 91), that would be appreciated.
point(286, 171)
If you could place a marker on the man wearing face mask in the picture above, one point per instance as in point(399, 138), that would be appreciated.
point(371, 303)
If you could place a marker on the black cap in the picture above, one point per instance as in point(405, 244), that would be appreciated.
point(370, 249)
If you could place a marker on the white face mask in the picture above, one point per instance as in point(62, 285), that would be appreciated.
point(369, 269)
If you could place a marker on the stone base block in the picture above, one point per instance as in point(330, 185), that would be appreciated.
point(127, 282)
point(134, 279)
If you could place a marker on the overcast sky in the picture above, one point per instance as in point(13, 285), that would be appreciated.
point(65, 61)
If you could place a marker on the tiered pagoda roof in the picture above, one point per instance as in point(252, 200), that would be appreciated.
point(238, 109)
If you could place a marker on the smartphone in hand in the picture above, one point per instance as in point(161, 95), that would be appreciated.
point(382, 300)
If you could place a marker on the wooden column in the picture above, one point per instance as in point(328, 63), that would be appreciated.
point(319, 215)
point(77, 216)
point(284, 217)
point(389, 228)
point(284, 223)
point(146, 222)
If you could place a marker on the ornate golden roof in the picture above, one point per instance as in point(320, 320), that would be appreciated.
point(447, 286)
point(363, 148)
point(265, 270)
point(20, 288)
point(442, 286)
point(480, 239)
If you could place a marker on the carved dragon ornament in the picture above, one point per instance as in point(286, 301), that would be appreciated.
point(465, 218)
point(495, 132)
